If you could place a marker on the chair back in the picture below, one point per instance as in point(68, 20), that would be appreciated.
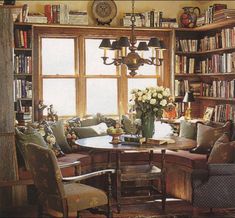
point(45, 171)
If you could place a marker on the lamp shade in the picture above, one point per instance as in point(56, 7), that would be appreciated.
point(105, 44)
point(142, 46)
point(115, 46)
point(188, 97)
point(154, 43)
point(123, 42)
point(162, 45)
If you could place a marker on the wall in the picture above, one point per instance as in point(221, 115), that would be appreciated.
point(169, 8)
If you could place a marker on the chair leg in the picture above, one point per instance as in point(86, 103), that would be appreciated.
point(110, 212)
point(40, 211)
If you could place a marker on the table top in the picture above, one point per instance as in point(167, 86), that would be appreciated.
point(103, 143)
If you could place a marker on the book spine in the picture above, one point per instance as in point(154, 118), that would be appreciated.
point(48, 13)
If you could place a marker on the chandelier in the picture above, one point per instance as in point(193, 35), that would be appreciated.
point(133, 60)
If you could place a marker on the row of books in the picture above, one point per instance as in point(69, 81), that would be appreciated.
point(22, 89)
point(23, 38)
point(187, 45)
point(208, 16)
point(22, 64)
point(184, 65)
point(219, 89)
point(61, 14)
point(150, 19)
point(223, 39)
point(181, 86)
point(224, 112)
point(218, 63)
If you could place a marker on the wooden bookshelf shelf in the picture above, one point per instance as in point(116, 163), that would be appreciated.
point(209, 98)
point(214, 51)
point(22, 74)
point(205, 75)
point(25, 99)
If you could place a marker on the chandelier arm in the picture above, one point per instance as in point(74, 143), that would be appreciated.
point(153, 61)
point(116, 62)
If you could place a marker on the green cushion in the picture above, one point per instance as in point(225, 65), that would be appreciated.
point(89, 122)
point(207, 135)
point(29, 136)
point(91, 131)
point(222, 151)
point(58, 131)
point(188, 129)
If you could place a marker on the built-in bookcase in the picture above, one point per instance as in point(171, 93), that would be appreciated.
point(205, 63)
point(23, 75)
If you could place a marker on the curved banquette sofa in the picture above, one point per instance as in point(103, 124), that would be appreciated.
point(189, 176)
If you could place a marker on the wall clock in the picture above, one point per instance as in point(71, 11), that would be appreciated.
point(104, 11)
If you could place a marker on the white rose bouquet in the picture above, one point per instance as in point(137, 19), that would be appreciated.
point(152, 100)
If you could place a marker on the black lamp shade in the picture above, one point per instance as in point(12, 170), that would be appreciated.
point(123, 42)
point(115, 46)
point(162, 45)
point(154, 43)
point(142, 46)
point(105, 44)
point(188, 97)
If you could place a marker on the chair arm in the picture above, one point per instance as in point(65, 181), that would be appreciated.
point(75, 164)
point(221, 169)
point(88, 175)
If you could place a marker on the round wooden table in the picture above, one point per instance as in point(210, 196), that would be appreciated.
point(144, 172)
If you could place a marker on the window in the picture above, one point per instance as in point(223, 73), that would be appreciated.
point(74, 79)
point(94, 62)
point(102, 96)
point(58, 59)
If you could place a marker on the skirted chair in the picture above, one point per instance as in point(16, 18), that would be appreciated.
point(64, 196)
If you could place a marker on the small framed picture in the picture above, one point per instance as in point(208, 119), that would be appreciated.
point(208, 114)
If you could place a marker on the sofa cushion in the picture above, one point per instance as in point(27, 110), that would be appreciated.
point(59, 133)
point(207, 135)
point(91, 131)
point(91, 121)
point(222, 151)
point(188, 129)
point(29, 136)
point(183, 158)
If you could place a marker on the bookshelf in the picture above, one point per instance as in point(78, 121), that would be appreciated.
point(205, 63)
point(23, 75)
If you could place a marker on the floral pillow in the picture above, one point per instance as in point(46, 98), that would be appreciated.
point(47, 133)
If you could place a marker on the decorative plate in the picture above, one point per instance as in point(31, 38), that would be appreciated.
point(104, 11)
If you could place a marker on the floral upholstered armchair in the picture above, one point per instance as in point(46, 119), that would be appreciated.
point(66, 196)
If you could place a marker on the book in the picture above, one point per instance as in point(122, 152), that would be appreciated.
point(134, 138)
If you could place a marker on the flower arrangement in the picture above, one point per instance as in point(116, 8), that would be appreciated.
point(149, 104)
point(152, 100)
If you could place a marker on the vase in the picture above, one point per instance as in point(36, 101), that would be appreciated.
point(189, 17)
point(147, 123)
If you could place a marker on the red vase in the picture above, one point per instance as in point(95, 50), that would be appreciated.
point(189, 17)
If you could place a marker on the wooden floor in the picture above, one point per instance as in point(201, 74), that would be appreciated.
point(174, 208)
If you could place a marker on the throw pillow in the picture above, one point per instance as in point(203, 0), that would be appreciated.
point(103, 119)
point(222, 151)
point(91, 131)
point(59, 133)
point(188, 129)
point(50, 139)
point(30, 135)
point(207, 136)
point(91, 121)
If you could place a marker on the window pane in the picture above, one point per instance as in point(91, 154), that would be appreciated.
point(94, 62)
point(58, 56)
point(60, 93)
point(140, 84)
point(145, 69)
point(102, 96)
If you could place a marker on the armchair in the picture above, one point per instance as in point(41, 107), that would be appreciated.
point(215, 187)
point(64, 196)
